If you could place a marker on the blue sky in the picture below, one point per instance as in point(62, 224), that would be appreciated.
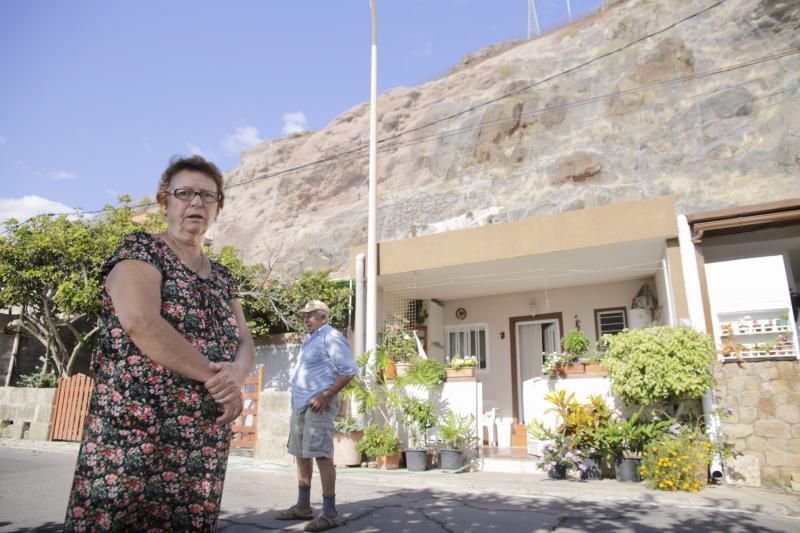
point(97, 95)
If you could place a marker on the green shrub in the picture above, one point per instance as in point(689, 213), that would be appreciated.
point(346, 424)
point(457, 432)
point(378, 441)
point(661, 363)
point(575, 342)
point(418, 416)
point(46, 380)
point(397, 341)
point(424, 372)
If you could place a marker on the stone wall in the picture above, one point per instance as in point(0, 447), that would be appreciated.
point(764, 397)
point(25, 412)
point(272, 426)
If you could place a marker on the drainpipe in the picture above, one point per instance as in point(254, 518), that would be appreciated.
point(360, 315)
point(694, 300)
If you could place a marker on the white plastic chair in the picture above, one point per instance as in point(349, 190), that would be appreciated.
point(489, 416)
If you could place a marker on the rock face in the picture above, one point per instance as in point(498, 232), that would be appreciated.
point(641, 99)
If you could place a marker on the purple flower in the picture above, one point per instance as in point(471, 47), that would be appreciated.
point(583, 467)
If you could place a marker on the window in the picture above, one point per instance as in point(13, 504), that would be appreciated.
point(468, 340)
point(611, 320)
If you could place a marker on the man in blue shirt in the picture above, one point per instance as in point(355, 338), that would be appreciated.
point(324, 367)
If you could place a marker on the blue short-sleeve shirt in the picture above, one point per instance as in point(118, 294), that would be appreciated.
point(325, 355)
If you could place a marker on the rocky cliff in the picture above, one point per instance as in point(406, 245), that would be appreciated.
point(693, 98)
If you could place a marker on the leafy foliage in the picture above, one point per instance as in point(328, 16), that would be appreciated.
point(562, 452)
point(469, 361)
point(662, 363)
point(426, 373)
point(552, 362)
point(575, 342)
point(378, 441)
point(346, 424)
point(50, 268)
point(397, 341)
point(272, 305)
point(418, 416)
point(457, 431)
point(42, 380)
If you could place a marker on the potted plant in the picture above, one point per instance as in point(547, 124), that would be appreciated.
point(381, 443)
point(462, 367)
point(457, 433)
point(560, 455)
point(398, 345)
point(425, 373)
point(558, 364)
point(418, 417)
point(576, 343)
point(348, 434)
point(624, 439)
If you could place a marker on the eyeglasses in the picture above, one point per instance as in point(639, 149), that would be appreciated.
point(187, 195)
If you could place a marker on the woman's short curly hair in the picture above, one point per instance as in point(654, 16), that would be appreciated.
point(195, 163)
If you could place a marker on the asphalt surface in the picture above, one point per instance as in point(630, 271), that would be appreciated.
point(35, 479)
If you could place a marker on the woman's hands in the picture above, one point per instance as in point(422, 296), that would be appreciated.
point(225, 386)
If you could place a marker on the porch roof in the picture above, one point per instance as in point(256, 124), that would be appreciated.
point(586, 246)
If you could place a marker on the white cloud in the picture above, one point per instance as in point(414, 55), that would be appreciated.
point(28, 206)
point(3, 140)
point(61, 175)
point(196, 150)
point(147, 147)
point(294, 123)
point(245, 137)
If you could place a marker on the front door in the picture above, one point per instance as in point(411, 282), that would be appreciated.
point(534, 339)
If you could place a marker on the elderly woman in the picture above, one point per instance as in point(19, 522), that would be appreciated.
point(174, 352)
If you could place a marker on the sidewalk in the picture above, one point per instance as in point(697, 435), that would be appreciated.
point(725, 498)
point(380, 500)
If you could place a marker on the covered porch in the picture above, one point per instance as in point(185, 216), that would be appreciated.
point(508, 292)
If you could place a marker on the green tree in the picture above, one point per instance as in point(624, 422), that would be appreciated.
point(272, 305)
point(50, 268)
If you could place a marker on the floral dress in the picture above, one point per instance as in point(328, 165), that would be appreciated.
point(152, 457)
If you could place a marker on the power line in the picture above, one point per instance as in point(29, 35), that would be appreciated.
point(357, 149)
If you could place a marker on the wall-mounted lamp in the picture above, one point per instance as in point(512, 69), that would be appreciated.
point(532, 306)
point(502, 334)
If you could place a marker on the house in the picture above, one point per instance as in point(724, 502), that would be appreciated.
point(508, 292)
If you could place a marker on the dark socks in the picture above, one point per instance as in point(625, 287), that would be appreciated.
point(303, 497)
point(329, 506)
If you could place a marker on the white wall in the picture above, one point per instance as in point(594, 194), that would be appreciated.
point(435, 324)
point(496, 311)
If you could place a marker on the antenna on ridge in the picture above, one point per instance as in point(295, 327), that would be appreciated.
point(533, 19)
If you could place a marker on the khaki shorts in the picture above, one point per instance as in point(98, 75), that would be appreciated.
point(311, 432)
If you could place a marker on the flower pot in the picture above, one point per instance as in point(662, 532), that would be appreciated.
point(402, 368)
point(388, 462)
point(390, 372)
point(627, 469)
point(460, 372)
point(592, 471)
point(451, 459)
point(558, 472)
point(344, 449)
point(572, 368)
point(417, 460)
point(595, 368)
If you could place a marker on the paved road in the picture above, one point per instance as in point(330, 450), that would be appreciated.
point(34, 484)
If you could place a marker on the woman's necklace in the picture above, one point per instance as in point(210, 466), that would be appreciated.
point(197, 266)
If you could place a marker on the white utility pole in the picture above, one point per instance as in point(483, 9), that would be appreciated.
point(372, 242)
point(533, 19)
